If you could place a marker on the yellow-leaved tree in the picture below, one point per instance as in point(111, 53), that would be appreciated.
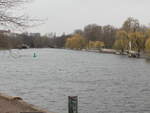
point(76, 42)
point(147, 45)
point(91, 44)
point(99, 44)
point(96, 45)
point(137, 40)
point(122, 40)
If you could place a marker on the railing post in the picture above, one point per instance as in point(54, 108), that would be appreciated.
point(72, 104)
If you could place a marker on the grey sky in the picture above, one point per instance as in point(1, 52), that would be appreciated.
point(68, 15)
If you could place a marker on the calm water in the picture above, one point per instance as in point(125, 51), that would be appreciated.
point(104, 83)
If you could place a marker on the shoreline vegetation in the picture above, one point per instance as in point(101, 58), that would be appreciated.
point(132, 38)
point(115, 52)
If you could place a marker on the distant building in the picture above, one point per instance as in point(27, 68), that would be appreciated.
point(35, 34)
point(32, 34)
point(23, 46)
point(13, 34)
point(8, 33)
point(5, 32)
point(25, 33)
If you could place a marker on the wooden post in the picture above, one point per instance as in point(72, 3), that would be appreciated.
point(72, 104)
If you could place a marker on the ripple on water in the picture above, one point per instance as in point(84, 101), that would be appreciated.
point(104, 83)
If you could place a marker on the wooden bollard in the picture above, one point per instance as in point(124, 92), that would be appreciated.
point(72, 104)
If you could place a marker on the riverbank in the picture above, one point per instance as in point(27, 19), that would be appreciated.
point(143, 55)
point(108, 51)
point(112, 51)
point(9, 104)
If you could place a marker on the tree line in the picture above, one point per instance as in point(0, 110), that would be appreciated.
point(131, 35)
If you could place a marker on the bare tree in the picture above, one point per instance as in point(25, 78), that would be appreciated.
point(131, 25)
point(7, 16)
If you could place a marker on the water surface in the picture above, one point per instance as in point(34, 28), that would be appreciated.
point(105, 83)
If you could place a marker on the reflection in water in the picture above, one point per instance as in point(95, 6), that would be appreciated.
point(104, 83)
point(147, 60)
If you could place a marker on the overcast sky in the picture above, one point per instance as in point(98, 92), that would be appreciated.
point(68, 15)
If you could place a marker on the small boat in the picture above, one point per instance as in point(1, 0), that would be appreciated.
point(133, 54)
point(118, 53)
point(23, 46)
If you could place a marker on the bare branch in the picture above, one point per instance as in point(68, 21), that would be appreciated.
point(7, 17)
